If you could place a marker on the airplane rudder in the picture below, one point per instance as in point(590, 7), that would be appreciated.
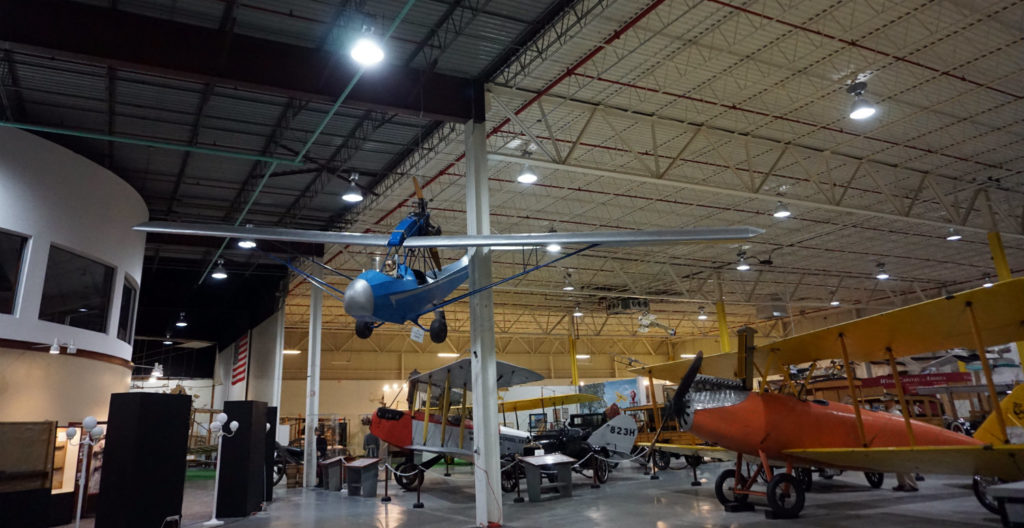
point(1012, 407)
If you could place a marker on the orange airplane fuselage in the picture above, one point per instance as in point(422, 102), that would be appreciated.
point(774, 423)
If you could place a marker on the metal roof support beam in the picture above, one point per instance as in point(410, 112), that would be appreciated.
point(67, 29)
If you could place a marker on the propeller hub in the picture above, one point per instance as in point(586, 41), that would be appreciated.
point(359, 298)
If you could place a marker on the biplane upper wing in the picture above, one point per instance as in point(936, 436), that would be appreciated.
point(542, 402)
point(609, 238)
point(929, 326)
point(938, 324)
point(1003, 461)
point(459, 376)
point(718, 365)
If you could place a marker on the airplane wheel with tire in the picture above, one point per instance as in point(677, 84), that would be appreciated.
point(510, 479)
point(439, 328)
point(279, 471)
point(364, 329)
point(725, 486)
point(601, 467)
point(805, 476)
point(875, 480)
point(661, 459)
point(980, 487)
point(785, 495)
point(693, 460)
point(408, 482)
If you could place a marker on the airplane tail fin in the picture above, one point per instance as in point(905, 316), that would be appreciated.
point(1012, 408)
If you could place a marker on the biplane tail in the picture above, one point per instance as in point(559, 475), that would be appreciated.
point(1012, 408)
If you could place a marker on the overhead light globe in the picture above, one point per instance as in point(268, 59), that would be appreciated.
point(568, 287)
point(988, 283)
point(366, 50)
point(352, 194)
point(247, 243)
point(577, 312)
point(833, 302)
point(701, 314)
point(553, 248)
point(742, 265)
point(182, 323)
point(861, 109)
point(781, 211)
point(881, 274)
point(219, 273)
point(527, 175)
point(953, 234)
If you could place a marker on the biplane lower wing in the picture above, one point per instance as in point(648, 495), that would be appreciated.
point(450, 451)
point(714, 452)
point(1003, 461)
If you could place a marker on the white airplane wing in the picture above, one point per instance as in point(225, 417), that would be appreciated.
point(608, 238)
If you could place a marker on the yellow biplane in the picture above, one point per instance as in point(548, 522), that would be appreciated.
point(720, 406)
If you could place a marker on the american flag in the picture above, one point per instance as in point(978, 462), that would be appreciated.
point(241, 363)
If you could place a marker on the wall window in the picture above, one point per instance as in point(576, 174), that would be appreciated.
point(76, 291)
point(126, 321)
point(11, 249)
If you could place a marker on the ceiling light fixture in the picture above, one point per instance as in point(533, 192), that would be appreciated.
point(182, 323)
point(246, 243)
point(582, 356)
point(861, 108)
point(366, 50)
point(447, 355)
point(687, 356)
point(291, 351)
point(553, 247)
point(352, 193)
point(781, 211)
point(527, 175)
point(568, 282)
point(953, 234)
point(741, 264)
point(988, 282)
point(577, 312)
point(701, 314)
point(167, 339)
point(881, 274)
point(219, 272)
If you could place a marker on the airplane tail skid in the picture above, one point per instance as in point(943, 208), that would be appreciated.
point(1012, 408)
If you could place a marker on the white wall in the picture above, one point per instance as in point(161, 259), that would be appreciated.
point(265, 361)
point(53, 195)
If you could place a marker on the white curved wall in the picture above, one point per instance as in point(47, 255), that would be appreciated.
point(53, 195)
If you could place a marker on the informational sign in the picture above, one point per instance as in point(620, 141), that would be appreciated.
point(416, 334)
point(911, 382)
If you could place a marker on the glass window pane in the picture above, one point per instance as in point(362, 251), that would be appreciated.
point(11, 248)
point(126, 322)
point(76, 291)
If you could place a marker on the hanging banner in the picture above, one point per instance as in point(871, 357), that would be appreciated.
point(911, 382)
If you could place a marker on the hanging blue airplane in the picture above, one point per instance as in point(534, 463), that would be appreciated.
point(400, 291)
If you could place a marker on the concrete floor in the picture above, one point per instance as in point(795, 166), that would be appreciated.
point(628, 500)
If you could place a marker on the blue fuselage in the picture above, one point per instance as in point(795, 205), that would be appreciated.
point(379, 297)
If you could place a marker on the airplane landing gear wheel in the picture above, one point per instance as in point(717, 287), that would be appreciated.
point(364, 329)
point(785, 495)
point(439, 328)
point(875, 480)
point(980, 486)
point(805, 476)
point(661, 460)
point(406, 481)
point(725, 487)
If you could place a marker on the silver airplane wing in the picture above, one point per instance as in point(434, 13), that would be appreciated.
point(607, 238)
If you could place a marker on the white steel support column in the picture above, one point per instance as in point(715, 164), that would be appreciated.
point(481, 331)
point(316, 297)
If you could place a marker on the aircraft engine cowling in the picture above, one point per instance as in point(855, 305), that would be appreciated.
point(359, 299)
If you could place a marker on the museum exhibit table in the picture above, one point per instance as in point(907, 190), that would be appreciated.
point(361, 477)
point(535, 468)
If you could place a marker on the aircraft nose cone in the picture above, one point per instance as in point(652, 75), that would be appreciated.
point(359, 299)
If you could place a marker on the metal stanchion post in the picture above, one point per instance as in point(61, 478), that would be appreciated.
point(519, 485)
point(418, 504)
point(386, 497)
